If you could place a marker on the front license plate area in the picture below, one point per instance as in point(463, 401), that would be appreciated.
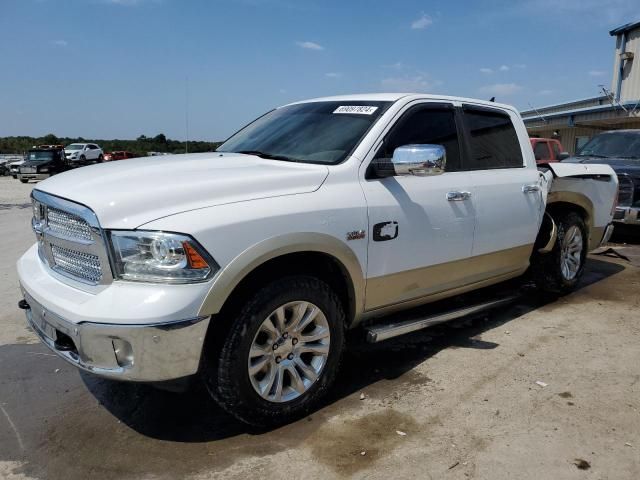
point(38, 318)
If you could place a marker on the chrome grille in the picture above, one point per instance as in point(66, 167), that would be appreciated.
point(67, 224)
point(70, 240)
point(78, 264)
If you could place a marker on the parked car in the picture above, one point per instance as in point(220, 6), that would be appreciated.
point(42, 162)
point(83, 153)
point(14, 167)
point(4, 169)
point(246, 265)
point(548, 150)
point(118, 155)
point(621, 150)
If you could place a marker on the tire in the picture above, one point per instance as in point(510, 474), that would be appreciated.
point(83, 158)
point(24, 181)
point(226, 366)
point(15, 177)
point(100, 158)
point(552, 272)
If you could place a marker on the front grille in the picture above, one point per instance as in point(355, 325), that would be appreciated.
point(67, 224)
point(70, 240)
point(78, 264)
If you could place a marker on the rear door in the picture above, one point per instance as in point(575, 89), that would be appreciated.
point(508, 195)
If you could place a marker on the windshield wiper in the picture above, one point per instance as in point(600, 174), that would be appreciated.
point(594, 155)
point(268, 156)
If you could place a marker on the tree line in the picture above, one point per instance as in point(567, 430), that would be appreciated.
point(139, 146)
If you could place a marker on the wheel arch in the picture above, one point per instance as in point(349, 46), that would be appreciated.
point(574, 201)
point(313, 253)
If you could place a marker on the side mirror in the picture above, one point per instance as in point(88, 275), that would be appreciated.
point(419, 160)
point(563, 156)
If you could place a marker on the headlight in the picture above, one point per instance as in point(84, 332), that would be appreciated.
point(159, 257)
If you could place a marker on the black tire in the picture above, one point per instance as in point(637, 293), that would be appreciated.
point(100, 158)
point(83, 158)
point(224, 365)
point(546, 268)
point(15, 177)
point(24, 181)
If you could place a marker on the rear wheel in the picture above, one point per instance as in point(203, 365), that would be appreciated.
point(560, 270)
point(281, 352)
point(24, 181)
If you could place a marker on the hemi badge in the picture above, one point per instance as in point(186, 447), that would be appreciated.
point(356, 235)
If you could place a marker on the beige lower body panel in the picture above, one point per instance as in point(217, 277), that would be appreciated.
point(402, 290)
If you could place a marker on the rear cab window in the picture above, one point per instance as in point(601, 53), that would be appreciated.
point(491, 138)
point(541, 150)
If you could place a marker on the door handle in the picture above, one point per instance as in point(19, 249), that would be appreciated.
point(530, 188)
point(458, 196)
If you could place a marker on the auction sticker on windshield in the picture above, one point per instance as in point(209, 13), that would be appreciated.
point(360, 109)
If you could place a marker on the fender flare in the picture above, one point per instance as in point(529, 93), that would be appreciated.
point(242, 265)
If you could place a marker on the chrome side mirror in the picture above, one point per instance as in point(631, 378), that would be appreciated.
point(420, 160)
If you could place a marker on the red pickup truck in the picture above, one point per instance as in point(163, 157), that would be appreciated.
point(118, 155)
point(548, 150)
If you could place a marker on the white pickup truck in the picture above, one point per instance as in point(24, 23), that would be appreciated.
point(246, 265)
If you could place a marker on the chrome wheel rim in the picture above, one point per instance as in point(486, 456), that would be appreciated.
point(571, 254)
point(289, 351)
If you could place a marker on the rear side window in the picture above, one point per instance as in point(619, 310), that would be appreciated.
point(492, 140)
point(426, 125)
point(556, 149)
point(541, 151)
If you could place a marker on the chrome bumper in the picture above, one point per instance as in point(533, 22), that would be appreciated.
point(33, 176)
point(141, 353)
point(627, 215)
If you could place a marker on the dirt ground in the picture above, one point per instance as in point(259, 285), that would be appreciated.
point(457, 401)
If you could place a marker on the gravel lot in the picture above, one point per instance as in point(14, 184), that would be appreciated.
point(457, 401)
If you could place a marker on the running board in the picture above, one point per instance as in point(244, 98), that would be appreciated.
point(379, 333)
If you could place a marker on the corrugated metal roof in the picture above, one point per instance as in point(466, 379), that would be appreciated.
point(624, 28)
point(599, 108)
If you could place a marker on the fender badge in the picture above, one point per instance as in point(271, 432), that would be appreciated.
point(356, 235)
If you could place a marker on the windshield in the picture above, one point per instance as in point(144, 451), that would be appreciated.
point(314, 132)
point(619, 144)
point(41, 156)
point(75, 146)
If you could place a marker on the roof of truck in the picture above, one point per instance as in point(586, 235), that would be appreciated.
point(392, 97)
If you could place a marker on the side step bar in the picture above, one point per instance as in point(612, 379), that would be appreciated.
point(379, 333)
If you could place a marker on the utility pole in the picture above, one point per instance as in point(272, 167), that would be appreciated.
point(186, 114)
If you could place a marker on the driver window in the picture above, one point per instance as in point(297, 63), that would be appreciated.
point(425, 125)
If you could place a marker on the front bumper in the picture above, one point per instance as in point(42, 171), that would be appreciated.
point(33, 176)
point(125, 330)
point(142, 353)
point(627, 215)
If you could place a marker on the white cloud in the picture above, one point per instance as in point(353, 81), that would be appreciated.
point(500, 89)
point(486, 70)
point(310, 45)
point(545, 92)
point(596, 73)
point(60, 43)
point(413, 83)
point(504, 68)
point(423, 22)
point(395, 66)
point(333, 75)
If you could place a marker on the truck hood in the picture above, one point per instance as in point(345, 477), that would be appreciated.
point(132, 193)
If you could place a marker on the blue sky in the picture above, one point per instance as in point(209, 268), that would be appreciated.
point(119, 68)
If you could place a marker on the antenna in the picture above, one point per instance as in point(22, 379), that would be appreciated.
point(186, 114)
point(539, 114)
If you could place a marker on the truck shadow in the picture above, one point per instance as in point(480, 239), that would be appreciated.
point(194, 417)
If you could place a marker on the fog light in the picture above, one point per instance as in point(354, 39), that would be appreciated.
point(123, 351)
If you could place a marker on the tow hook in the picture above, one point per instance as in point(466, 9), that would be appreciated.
point(23, 305)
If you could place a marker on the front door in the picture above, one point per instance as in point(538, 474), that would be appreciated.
point(419, 238)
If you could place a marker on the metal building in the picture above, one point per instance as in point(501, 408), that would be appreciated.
point(574, 123)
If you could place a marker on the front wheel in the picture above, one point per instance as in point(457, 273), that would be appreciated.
point(24, 181)
point(281, 352)
point(101, 158)
point(560, 270)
